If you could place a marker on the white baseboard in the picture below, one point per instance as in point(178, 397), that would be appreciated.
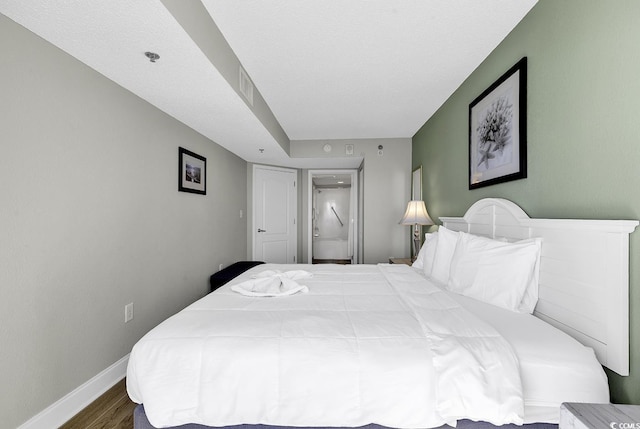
point(71, 404)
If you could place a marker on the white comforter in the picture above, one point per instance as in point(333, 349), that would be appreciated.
point(366, 344)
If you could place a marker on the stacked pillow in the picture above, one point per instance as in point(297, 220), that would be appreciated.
point(493, 271)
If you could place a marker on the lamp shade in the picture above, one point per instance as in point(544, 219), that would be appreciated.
point(416, 214)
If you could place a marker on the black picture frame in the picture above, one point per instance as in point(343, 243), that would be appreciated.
point(498, 130)
point(192, 172)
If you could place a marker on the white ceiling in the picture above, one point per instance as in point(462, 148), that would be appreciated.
point(331, 180)
point(328, 69)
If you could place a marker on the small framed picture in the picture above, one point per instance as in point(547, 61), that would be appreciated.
point(192, 172)
point(498, 130)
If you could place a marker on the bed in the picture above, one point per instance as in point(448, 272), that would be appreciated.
point(398, 346)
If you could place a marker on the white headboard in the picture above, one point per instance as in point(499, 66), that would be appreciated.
point(584, 272)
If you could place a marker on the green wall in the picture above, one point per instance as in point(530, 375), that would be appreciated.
point(583, 130)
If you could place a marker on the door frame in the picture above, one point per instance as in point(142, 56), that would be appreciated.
point(353, 200)
point(254, 207)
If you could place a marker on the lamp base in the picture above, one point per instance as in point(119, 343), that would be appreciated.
point(416, 242)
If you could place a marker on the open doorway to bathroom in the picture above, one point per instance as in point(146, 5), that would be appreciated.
point(333, 216)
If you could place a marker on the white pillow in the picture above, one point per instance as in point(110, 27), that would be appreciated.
point(530, 298)
point(445, 246)
point(493, 271)
point(419, 261)
point(429, 252)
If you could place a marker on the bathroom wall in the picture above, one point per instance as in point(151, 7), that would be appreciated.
point(326, 223)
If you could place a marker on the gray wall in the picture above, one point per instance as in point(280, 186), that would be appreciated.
point(387, 189)
point(91, 219)
point(583, 148)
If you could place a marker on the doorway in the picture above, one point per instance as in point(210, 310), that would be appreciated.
point(333, 216)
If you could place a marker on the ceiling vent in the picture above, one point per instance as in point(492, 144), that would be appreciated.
point(246, 86)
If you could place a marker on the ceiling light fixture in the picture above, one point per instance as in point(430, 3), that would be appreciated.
point(152, 56)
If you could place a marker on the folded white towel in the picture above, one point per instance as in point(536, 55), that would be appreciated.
point(271, 283)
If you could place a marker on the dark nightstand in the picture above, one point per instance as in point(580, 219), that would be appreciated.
point(406, 261)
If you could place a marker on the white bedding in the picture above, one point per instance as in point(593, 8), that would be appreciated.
point(366, 344)
point(554, 367)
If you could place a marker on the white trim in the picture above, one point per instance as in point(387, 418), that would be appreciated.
point(71, 404)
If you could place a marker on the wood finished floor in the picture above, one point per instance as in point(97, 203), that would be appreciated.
point(112, 410)
point(331, 261)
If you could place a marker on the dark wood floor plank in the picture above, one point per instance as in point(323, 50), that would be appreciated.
point(118, 416)
point(112, 410)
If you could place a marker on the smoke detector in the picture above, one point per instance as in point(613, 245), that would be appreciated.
point(152, 56)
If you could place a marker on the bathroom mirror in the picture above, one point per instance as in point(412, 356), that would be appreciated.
point(416, 184)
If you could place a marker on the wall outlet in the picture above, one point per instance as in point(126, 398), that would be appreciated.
point(128, 312)
point(220, 267)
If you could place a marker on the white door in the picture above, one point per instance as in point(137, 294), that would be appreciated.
point(274, 220)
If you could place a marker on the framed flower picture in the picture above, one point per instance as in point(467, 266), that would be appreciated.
point(498, 130)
